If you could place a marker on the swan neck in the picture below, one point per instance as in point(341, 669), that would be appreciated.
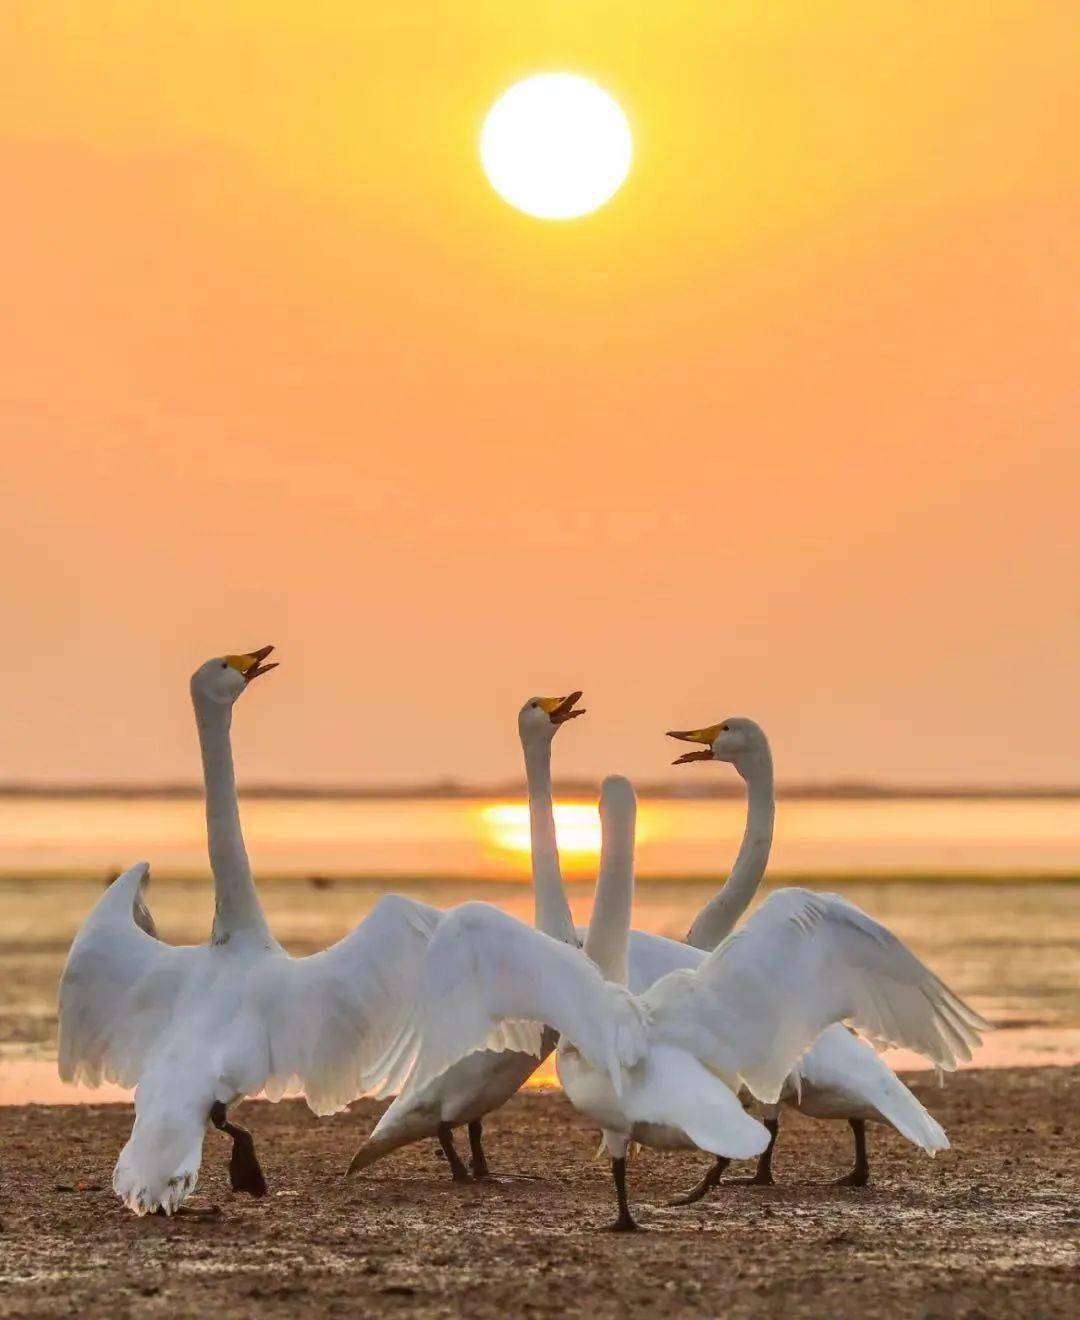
point(552, 911)
point(607, 941)
point(236, 903)
point(718, 918)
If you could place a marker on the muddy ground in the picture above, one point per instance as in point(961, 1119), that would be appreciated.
point(991, 1228)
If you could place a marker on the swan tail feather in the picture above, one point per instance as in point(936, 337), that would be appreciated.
point(375, 1148)
point(400, 1125)
point(159, 1167)
point(860, 1083)
point(676, 1090)
point(903, 1111)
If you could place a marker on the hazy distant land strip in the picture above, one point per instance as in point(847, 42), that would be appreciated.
point(851, 791)
point(512, 881)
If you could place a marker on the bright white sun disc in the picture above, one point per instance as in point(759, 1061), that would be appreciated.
point(556, 146)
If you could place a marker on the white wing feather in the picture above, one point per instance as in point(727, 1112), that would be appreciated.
point(315, 1024)
point(673, 1089)
point(118, 988)
point(841, 1076)
point(801, 962)
point(484, 968)
point(329, 1018)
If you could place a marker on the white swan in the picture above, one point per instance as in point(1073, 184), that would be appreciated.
point(665, 1068)
point(840, 1076)
point(478, 1085)
point(196, 1028)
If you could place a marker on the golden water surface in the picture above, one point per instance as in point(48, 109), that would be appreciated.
point(1009, 944)
point(489, 837)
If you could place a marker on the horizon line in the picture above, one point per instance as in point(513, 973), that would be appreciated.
point(452, 789)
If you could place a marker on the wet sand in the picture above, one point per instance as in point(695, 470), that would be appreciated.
point(991, 1228)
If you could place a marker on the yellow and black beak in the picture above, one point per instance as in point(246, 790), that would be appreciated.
point(697, 736)
point(560, 709)
point(249, 664)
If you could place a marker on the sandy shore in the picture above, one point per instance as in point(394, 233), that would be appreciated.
point(992, 1228)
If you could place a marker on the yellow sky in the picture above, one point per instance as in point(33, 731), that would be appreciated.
point(789, 428)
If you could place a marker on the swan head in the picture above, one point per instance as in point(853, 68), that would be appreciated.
point(541, 717)
point(736, 739)
point(223, 678)
point(617, 795)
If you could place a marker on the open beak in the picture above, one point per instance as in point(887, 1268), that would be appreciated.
point(695, 736)
point(561, 709)
point(249, 664)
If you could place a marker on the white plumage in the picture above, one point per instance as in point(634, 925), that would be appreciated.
point(840, 1077)
point(479, 1084)
point(195, 1028)
point(665, 1067)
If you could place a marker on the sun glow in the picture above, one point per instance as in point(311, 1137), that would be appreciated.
point(577, 828)
point(556, 146)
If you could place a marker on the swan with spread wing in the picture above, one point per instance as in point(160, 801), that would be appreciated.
point(665, 1067)
point(196, 1028)
point(840, 1077)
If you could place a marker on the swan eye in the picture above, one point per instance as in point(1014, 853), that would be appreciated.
point(725, 728)
point(534, 704)
point(224, 664)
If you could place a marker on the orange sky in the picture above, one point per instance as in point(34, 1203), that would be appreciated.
point(788, 429)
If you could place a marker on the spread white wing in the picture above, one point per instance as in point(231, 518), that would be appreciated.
point(316, 1024)
point(802, 961)
point(329, 1018)
point(485, 968)
point(118, 988)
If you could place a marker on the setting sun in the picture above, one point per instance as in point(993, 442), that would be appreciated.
point(556, 146)
point(577, 827)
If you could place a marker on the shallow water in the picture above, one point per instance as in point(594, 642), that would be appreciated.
point(488, 837)
point(1012, 949)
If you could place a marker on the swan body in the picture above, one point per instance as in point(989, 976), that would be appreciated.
point(195, 1028)
point(190, 1027)
point(839, 1077)
point(466, 1093)
point(668, 1101)
point(649, 957)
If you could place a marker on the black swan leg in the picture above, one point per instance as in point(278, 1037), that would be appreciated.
point(626, 1223)
point(245, 1171)
point(763, 1176)
point(860, 1174)
point(712, 1177)
point(478, 1161)
point(458, 1171)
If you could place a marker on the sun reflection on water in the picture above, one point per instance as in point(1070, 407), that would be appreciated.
point(577, 829)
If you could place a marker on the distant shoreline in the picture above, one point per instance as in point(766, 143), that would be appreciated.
point(420, 880)
point(839, 791)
